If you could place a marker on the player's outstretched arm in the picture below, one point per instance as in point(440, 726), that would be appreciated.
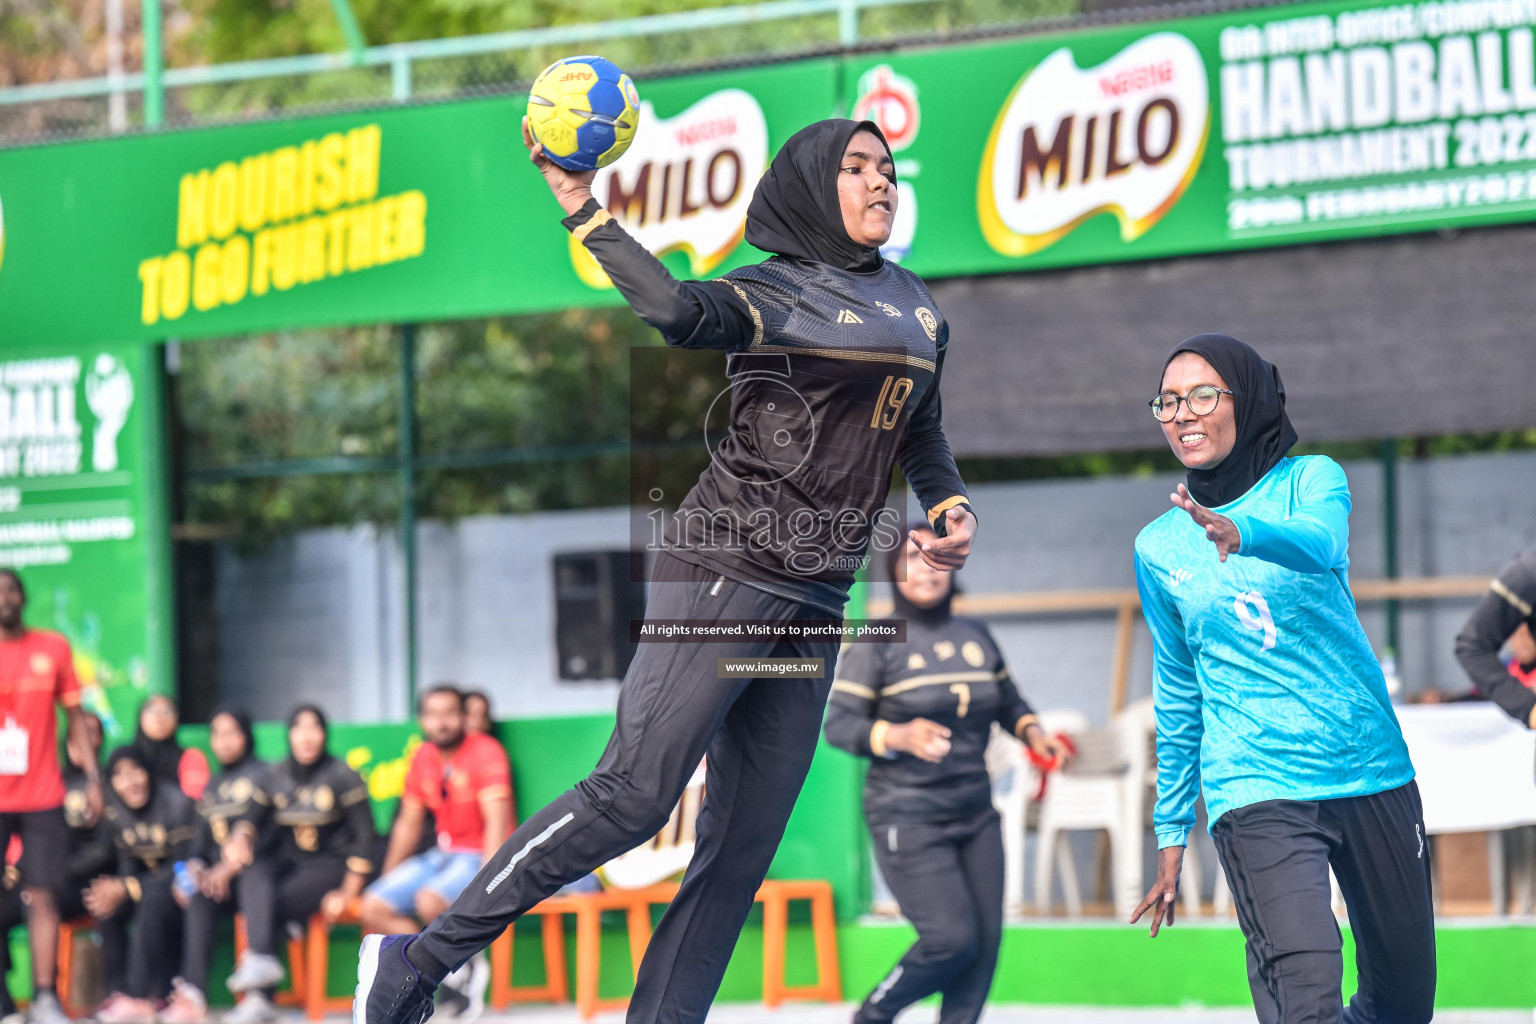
point(689, 314)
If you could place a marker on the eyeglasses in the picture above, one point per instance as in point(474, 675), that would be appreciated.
point(1202, 402)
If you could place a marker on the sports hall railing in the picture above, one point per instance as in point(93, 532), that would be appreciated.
point(436, 68)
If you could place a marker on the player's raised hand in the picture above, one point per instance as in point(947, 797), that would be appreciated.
point(949, 552)
point(572, 189)
point(1162, 898)
point(1219, 530)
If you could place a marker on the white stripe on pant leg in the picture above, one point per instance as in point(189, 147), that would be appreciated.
point(885, 986)
point(501, 876)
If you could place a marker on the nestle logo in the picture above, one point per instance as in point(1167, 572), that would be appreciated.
point(1133, 79)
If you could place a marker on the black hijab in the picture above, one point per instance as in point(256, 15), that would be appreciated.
point(298, 770)
point(795, 210)
point(131, 752)
point(1264, 432)
point(934, 615)
point(161, 757)
point(242, 719)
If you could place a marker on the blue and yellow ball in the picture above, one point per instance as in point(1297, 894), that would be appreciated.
point(584, 110)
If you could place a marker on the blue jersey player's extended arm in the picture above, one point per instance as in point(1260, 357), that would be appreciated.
point(1315, 537)
point(1179, 724)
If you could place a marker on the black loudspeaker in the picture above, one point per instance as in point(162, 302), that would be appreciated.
point(597, 593)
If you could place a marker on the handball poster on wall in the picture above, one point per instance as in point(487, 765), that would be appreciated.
point(1261, 127)
point(83, 516)
point(412, 213)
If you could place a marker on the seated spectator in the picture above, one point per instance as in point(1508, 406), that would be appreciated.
point(153, 825)
point(318, 864)
point(235, 813)
point(477, 713)
point(465, 781)
point(167, 760)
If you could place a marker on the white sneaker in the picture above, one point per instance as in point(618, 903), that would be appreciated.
point(256, 971)
point(255, 1008)
point(46, 1009)
point(470, 981)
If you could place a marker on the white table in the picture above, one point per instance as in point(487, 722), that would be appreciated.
point(1476, 771)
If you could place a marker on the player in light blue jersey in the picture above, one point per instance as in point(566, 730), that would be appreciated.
point(1267, 693)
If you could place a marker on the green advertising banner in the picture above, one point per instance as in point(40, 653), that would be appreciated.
point(423, 212)
point(1260, 127)
point(1249, 128)
point(83, 516)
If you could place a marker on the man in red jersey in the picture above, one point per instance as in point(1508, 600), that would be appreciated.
point(37, 674)
point(464, 780)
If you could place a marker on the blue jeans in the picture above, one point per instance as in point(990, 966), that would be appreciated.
point(440, 871)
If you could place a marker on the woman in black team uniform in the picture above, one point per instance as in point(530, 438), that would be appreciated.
point(1509, 604)
point(923, 712)
point(153, 825)
point(835, 359)
point(325, 835)
point(235, 811)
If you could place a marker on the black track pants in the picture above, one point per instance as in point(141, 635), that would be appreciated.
point(139, 962)
point(948, 880)
point(1276, 855)
point(760, 735)
point(276, 891)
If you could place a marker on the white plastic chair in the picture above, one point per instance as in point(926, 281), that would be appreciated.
point(1011, 774)
point(1101, 792)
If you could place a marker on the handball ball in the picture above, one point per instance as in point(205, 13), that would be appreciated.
point(584, 111)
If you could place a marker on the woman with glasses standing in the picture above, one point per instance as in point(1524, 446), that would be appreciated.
point(1268, 694)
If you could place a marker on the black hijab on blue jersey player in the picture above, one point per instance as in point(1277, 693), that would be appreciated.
point(1264, 431)
point(795, 210)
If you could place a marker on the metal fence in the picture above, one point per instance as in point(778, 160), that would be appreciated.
point(496, 62)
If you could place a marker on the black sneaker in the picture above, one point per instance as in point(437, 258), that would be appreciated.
point(390, 990)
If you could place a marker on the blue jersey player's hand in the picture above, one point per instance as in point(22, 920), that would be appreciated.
point(1219, 530)
point(1162, 898)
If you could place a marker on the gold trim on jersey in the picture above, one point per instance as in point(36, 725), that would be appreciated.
point(936, 679)
point(1521, 604)
point(877, 736)
point(1024, 723)
point(757, 316)
point(946, 505)
point(857, 689)
point(596, 221)
point(856, 354)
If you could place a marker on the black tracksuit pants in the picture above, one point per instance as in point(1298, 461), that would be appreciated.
point(760, 735)
point(1276, 855)
point(277, 890)
point(140, 963)
point(948, 880)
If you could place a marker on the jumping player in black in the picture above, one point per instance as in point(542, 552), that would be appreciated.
point(835, 357)
point(923, 712)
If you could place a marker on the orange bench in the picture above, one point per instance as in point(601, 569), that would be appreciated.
point(309, 962)
point(588, 908)
point(774, 895)
point(66, 973)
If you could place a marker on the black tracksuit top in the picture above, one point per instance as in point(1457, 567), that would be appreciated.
point(834, 381)
point(325, 815)
point(1511, 600)
point(151, 839)
point(950, 673)
point(235, 795)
